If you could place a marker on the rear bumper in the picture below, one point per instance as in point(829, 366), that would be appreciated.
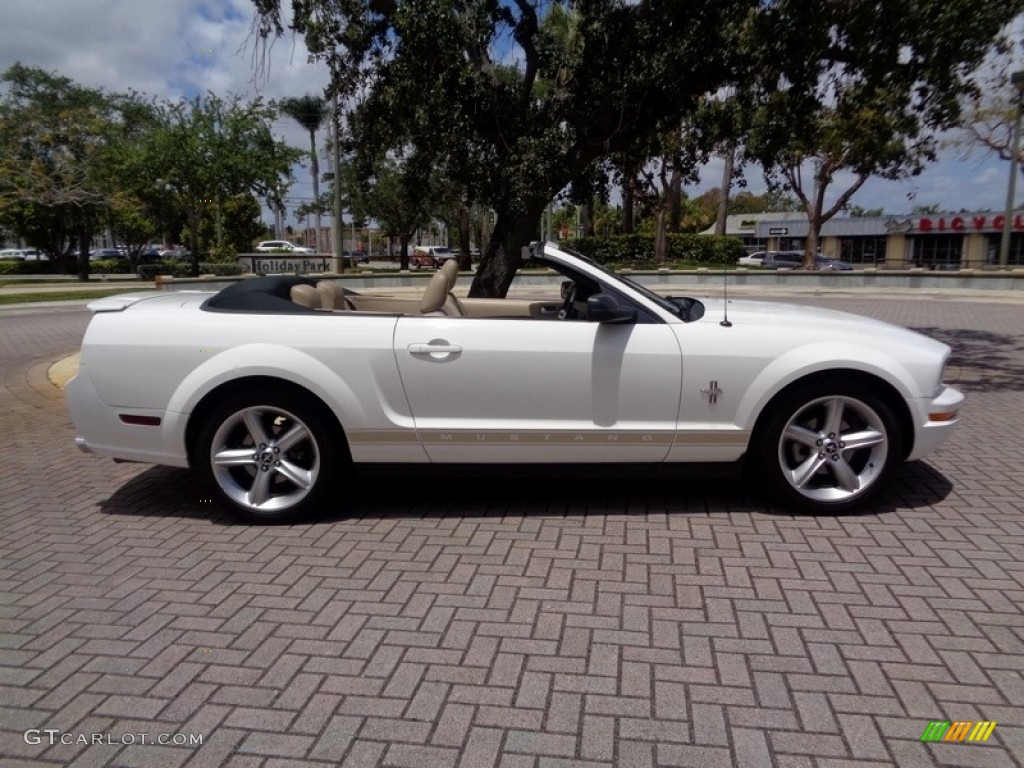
point(100, 430)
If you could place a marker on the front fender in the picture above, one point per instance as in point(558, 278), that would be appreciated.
point(820, 357)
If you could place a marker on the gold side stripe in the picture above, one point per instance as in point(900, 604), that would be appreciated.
point(491, 437)
point(382, 436)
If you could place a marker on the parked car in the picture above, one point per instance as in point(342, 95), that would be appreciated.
point(441, 253)
point(421, 258)
point(431, 256)
point(17, 254)
point(783, 260)
point(272, 385)
point(752, 259)
point(357, 257)
point(274, 246)
point(105, 253)
point(834, 265)
point(175, 253)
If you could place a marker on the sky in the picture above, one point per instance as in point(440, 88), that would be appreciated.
point(173, 48)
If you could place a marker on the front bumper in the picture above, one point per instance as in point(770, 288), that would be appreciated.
point(939, 417)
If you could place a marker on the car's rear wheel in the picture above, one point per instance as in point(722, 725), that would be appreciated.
point(827, 446)
point(270, 456)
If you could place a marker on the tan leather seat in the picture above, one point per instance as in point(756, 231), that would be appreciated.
point(332, 295)
point(438, 298)
point(305, 295)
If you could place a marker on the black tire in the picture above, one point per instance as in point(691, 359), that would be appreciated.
point(298, 455)
point(800, 456)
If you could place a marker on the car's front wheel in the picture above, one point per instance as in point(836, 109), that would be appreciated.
point(827, 447)
point(269, 455)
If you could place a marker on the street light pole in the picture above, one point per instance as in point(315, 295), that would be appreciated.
point(1017, 78)
point(336, 229)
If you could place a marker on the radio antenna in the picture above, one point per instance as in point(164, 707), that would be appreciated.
point(725, 295)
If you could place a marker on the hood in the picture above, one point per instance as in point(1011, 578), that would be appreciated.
point(777, 327)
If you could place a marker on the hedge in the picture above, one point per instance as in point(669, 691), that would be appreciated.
point(19, 267)
point(183, 268)
point(637, 251)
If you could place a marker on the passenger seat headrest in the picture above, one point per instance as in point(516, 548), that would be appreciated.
point(451, 272)
point(332, 295)
point(435, 294)
point(305, 295)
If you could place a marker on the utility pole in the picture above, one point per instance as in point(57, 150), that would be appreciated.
point(336, 229)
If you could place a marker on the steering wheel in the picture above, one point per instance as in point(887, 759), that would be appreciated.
point(568, 309)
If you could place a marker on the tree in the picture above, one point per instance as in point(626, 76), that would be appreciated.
point(395, 197)
point(206, 150)
point(857, 211)
point(56, 140)
point(851, 94)
point(311, 112)
point(989, 117)
point(437, 75)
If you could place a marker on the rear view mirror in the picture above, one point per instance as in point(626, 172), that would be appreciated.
point(567, 286)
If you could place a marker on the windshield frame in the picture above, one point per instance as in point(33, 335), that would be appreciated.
point(655, 298)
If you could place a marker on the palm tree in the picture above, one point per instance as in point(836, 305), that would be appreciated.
point(311, 112)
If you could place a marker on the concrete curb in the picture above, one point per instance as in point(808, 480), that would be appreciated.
point(62, 371)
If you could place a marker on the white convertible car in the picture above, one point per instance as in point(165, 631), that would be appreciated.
point(273, 385)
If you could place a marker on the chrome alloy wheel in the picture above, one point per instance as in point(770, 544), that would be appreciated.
point(264, 458)
point(833, 449)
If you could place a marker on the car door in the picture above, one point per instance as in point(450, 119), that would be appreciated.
point(530, 390)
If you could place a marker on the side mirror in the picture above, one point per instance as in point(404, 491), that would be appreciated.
point(605, 308)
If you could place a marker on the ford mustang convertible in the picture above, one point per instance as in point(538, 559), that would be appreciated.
point(274, 386)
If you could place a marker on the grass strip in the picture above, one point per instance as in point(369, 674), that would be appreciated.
point(26, 298)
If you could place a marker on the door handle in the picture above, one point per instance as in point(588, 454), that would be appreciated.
point(433, 349)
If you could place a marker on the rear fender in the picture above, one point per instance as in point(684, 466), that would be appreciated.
point(290, 365)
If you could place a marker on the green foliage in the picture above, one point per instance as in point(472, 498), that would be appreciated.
point(110, 267)
point(858, 211)
point(56, 144)
point(19, 267)
point(438, 88)
point(860, 89)
point(184, 269)
point(207, 151)
point(637, 251)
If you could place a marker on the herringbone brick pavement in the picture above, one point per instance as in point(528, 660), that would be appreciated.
point(593, 622)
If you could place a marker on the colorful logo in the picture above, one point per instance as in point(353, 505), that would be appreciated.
point(959, 730)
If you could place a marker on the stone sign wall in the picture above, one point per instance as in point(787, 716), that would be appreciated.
point(282, 263)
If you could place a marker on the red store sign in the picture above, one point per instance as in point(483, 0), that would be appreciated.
point(979, 223)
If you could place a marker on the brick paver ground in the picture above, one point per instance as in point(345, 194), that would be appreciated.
point(466, 623)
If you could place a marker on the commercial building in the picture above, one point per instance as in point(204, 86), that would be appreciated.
point(932, 241)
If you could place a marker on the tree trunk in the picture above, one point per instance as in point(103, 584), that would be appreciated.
point(403, 250)
point(462, 217)
point(813, 237)
point(193, 240)
point(660, 242)
point(315, 170)
point(723, 200)
point(586, 222)
point(627, 206)
point(84, 236)
point(504, 252)
point(675, 201)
